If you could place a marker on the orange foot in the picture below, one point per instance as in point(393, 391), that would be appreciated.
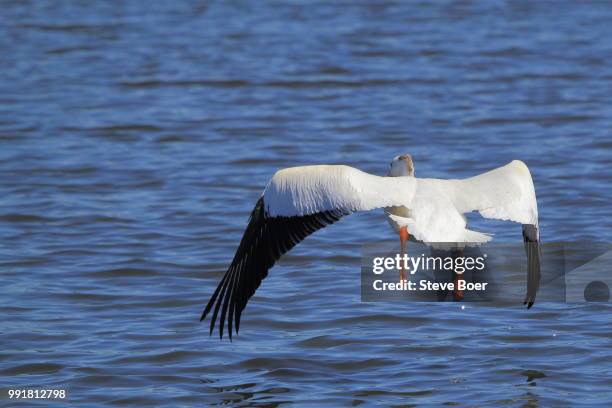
point(458, 293)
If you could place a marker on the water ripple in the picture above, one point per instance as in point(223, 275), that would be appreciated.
point(134, 142)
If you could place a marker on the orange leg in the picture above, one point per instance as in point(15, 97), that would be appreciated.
point(458, 278)
point(403, 233)
point(458, 293)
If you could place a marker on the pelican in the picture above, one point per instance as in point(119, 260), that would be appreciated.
point(301, 200)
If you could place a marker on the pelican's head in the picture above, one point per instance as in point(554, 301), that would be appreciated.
point(401, 166)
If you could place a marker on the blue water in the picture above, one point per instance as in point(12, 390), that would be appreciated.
point(135, 138)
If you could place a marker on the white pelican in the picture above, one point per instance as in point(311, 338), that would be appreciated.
point(301, 200)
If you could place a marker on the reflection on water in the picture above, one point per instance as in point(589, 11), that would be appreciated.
point(135, 140)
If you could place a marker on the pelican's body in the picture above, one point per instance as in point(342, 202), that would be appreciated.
point(401, 166)
point(300, 200)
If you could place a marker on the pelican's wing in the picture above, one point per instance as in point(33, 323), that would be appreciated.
point(297, 202)
point(506, 193)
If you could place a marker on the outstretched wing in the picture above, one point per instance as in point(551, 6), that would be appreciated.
point(297, 202)
point(506, 193)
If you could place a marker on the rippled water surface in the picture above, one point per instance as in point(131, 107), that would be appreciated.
point(135, 138)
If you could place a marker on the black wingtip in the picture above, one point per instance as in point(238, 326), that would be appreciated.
point(265, 240)
point(531, 240)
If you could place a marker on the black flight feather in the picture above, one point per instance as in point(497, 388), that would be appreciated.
point(265, 240)
point(532, 248)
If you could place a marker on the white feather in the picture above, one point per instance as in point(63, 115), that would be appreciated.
point(431, 208)
point(506, 193)
point(436, 211)
point(312, 189)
